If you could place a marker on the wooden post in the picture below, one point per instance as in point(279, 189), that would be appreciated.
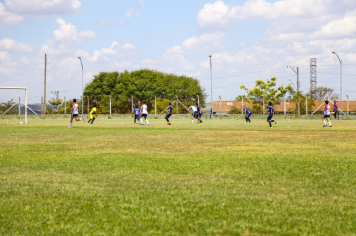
point(285, 104)
point(45, 74)
point(177, 103)
point(306, 106)
point(242, 104)
point(132, 108)
point(19, 106)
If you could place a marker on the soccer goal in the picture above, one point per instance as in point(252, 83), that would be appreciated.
point(10, 105)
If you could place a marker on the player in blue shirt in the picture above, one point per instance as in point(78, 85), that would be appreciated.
point(248, 114)
point(199, 113)
point(270, 109)
point(170, 110)
point(137, 113)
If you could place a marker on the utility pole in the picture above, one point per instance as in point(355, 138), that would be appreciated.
point(65, 105)
point(211, 75)
point(297, 72)
point(45, 74)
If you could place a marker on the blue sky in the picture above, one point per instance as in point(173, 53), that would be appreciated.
point(243, 37)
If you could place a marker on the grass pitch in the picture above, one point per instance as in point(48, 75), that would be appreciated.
point(224, 177)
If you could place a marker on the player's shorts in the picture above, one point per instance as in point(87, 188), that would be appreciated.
point(137, 117)
point(269, 117)
point(74, 115)
point(326, 116)
point(168, 115)
point(144, 115)
point(248, 114)
point(194, 114)
point(199, 115)
point(91, 116)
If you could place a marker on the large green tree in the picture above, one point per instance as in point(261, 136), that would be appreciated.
point(267, 91)
point(142, 85)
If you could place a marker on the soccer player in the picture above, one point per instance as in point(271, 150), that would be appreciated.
point(92, 113)
point(194, 112)
point(144, 113)
point(326, 114)
point(248, 114)
point(335, 108)
point(198, 113)
point(137, 113)
point(270, 109)
point(74, 113)
point(170, 109)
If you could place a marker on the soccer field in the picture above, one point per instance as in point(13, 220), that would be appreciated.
point(222, 177)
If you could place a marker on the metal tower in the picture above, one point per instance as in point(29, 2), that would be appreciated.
point(312, 75)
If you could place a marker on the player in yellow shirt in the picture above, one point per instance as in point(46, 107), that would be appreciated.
point(92, 113)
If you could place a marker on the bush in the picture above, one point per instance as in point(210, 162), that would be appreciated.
point(234, 110)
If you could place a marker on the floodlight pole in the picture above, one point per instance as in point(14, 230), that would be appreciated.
point(82, 88)
point(211, 76)
point(340, 81)
point(297, 72)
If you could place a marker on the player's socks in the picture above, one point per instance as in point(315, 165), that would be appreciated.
point(330, 123)
point(270, 124)
point(92, 121)
point(324, 123)
point(89, 120)
point(147, 122)
point(70, 125)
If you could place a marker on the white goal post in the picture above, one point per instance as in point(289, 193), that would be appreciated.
point(25, 98)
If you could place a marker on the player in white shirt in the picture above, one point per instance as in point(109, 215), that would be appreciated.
point(74, 113)
point(326, 114)
point(194, 112)
point(144, 112)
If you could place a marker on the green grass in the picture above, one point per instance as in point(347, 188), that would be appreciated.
point(224, 177)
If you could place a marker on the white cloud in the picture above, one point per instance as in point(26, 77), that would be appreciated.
point(128, 46)
point(224, 59)
point(25, 60)
point(11, 45)
point(8, 18)
point(81, 53)
point(141, 8)
point(204, 42)
point(65, 38)
point(87, 34)
point(43, 7)
point(296, 13)
point(339, 28)
point(111, 51)
point(5, 60)
point(175, 50)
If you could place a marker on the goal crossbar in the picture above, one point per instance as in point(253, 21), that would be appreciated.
point(24, 88)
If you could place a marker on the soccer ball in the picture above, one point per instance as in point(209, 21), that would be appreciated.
point(6, 123)
point(20, 123)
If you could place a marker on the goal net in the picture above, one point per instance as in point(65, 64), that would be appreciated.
point(13, 105)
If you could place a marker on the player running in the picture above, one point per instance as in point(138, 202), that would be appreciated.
point(326, 114)
point(199, 113)
point(194, 112)
point(248, 114)
point(74, 113)
point(270, 109)
point(170, 110)
point(144, 113)
point(92, 113)
point(136, 112)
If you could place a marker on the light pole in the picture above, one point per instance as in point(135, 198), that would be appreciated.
point(340, 82)
point(211, 75)
point(297, 72)
point(82, 88)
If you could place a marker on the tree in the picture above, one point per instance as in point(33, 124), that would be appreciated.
point(142, 85)
point(234, 110)
point(266, 91)
point(4, 106)
point(322, 93)
point(240, 97)
point(55, 102)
